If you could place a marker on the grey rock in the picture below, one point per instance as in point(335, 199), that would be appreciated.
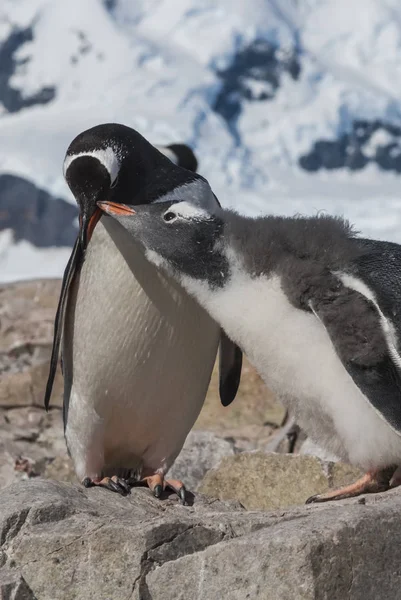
point(202, 451)
point(65, 542)
point(68, 542)
point(14, 587)
point(258, 62)
point(271, 481)
point(34, 215)
point(13, 99)
point(350, 149)
point(332, 553)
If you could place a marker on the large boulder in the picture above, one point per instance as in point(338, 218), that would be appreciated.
point(268, 481)
point(61, 542)
point(14, 587)
point(202, 451)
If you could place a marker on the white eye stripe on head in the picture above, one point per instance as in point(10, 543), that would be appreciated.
point(186, 210)
point(107, 157)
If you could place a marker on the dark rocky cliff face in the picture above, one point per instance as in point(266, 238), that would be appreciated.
point(35, 215)
point(11, 98)
point(253, 76)
point(367, 142)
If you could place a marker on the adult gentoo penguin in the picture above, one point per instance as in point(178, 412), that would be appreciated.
point(137, 351)
point(295, 295)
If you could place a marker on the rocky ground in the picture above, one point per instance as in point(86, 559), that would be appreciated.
point(61, 541)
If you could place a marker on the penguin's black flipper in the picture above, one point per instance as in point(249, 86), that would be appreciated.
point(230, 364)
point(70, 270)
point(363, 338)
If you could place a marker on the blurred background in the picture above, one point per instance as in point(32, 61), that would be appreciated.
point(290, 106)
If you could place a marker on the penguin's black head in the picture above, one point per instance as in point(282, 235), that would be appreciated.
point(112, 162)
point(89, 180)
point(178, 236)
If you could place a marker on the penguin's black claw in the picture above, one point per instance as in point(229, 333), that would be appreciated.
point(114, 487)
point(156, 483)
point(157, 491)
point(122, 485)
point(178, 488)
point(182, 493)
point(312, 499)
point(114, 484)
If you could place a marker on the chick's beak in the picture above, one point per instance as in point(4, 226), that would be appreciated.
point(113, 208)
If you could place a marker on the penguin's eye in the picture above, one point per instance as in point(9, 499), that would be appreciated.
point(169, 216)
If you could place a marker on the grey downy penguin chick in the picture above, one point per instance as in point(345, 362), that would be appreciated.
point(137, 350)
point(297, 295)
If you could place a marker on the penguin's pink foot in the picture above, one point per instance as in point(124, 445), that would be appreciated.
point(157, 484)
point(371, 483)
point(114, 484)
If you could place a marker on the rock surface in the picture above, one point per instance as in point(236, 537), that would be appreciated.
point(34, 215)
point(61, 542)
point(14, 587)
point(202, 451)
point(269, 481)
point(365, 142)
point(254, 75)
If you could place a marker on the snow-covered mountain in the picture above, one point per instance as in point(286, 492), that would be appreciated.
point(290, 106)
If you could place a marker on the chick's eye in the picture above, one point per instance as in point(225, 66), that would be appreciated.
point(169, 216)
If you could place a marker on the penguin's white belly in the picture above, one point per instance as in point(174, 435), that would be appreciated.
point(140, 360)
point(295, 356)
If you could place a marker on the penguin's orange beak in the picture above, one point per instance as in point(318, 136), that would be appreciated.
point(113, 208)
